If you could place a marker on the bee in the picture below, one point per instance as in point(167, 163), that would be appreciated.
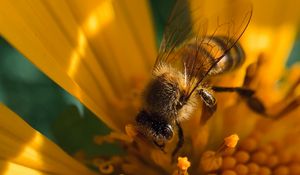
point(190, 54)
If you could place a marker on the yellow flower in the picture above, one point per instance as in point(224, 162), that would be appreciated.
point(26, 151)
point(102, 52)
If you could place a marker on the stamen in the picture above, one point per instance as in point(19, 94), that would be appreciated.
point(249, 144)
point(131, 131)
point(231, 141)
point(241, 169)
point(294, 168)
point(254, 157)
point(293, 88)
point(210, 161)
point(242, 156)
point(291, 106)
point(183, 165)
point(259, 157)
point(264, 171)
point(285, 157)
point(116, 136)
point(281, 170)
point(253, 168)
point(252, 72)
point(272, 161)
point(229, 172)
point(228, 163)
point(267, 148)
point(296, 157)
point(106, 167)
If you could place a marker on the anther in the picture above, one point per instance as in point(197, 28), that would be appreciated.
point(272, 161)
point(281, 170)
point(242, 156)
point(183, 164)
point(253, 168)
point(115, 136)
point(229, 143)
point(249, 144)
point(131, 131)
point(229, 172)
point(241, 169)
point(264, 171)
point(106, 168)
point(294, 168)
point(259, 157)
point(210, 161)
point(228, 163)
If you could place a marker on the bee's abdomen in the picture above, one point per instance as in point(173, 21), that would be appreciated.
point(233, 58)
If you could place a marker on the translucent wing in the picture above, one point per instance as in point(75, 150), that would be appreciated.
point(188, 43)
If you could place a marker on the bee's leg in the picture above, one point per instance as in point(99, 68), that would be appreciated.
point(253, 102)
point(209, 105)
point(257, 106)
point(180, 140)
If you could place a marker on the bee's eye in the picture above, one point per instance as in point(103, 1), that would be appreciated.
point(168, 132)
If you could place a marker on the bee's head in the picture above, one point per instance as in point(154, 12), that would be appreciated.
point(154, 128)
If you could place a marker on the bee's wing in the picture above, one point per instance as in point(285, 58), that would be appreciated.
point(187, 42)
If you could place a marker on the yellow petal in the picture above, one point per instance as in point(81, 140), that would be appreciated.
point(272, 31)
point(276, 12)
point(11, 168)
point(96, 51)
point(24, 149)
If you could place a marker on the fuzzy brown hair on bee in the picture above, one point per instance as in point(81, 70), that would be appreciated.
point(165, 102)
point(166, 99)
point(187, 59)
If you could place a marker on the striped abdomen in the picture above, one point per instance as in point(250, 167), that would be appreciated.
point(234, 58)
point(199, 57)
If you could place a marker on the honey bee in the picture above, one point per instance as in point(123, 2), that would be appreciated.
point(190, 54)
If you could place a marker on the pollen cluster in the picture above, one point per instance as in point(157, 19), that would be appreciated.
point(270, 146)
point(253, 157)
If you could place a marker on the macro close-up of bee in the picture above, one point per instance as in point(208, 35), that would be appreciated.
point(190, 54)
point(175, 87)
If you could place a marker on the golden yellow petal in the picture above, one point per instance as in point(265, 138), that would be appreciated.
point(275, 43)
point(97, 51)
point(276, 12)
point(23, 148)
point(272, 31)
point(10, 168)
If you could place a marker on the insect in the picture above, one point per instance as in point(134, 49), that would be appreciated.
point(190, 54)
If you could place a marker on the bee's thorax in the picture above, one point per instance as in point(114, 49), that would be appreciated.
point(166, 95)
